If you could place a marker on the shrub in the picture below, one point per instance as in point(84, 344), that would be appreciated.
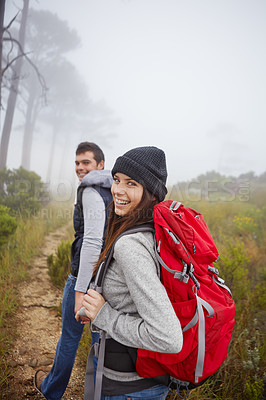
point(22, 191)
point(8, 225)
point(59, 264)
point(254, 389)
point(233, 265)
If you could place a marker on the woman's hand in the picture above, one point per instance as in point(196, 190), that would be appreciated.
point(93, 302)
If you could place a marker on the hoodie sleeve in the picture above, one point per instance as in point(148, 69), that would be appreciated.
point(94, 220)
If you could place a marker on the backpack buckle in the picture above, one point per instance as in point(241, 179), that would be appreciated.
point(96, 349)
point(182, 277)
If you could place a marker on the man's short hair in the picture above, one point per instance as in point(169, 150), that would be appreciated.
point(94, 148)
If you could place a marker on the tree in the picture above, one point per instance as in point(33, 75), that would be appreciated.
point(14, 63)
point(11, 103)
point(22, 191)
point(248, 176)
point(49, 39)
point(67, 107)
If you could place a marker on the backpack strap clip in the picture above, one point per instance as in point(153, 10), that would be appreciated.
point(192, 276)
point(219, 281)
point(213, 270)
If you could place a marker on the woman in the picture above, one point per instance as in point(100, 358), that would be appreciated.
point(134, 308)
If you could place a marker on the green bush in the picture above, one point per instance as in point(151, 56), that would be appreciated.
point(59, 264)
point(22, 191)
point(233, 265)
point(8, 225)
point(254, 389)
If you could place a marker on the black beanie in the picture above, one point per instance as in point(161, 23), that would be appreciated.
point(147, 166)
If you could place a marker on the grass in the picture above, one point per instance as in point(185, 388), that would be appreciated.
point(15, 258)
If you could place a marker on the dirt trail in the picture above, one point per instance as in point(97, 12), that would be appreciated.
point(39, 328)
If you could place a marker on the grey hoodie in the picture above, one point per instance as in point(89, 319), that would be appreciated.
point(137, 312)
point(94, 220)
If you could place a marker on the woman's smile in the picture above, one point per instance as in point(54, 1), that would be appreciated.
point(121, 202)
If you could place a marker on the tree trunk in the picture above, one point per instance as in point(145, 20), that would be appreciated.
point(11, 103)
point(31, 116)
point(2, 13)
point(52, 150)
point(64, 157)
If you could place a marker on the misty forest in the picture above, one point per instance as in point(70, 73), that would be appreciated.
point(43, 101)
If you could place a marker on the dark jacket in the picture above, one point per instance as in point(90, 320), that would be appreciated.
point(101, 181)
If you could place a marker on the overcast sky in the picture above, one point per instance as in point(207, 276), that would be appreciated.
point(187, 76)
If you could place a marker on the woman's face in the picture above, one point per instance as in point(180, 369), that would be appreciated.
point(127, 194)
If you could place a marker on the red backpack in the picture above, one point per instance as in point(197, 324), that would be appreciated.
point(203, 304)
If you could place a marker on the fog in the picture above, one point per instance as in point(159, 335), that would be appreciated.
point(187, 76)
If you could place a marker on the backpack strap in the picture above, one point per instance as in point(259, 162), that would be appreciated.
point(92, 392)
point(187, 269)
point(97, 284)
point(201, 333)
point(177, 274)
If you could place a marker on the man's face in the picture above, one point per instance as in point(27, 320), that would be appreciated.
point(85, 163)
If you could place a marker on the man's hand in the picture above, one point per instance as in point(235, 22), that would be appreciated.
point(79, 296)
point(93, 302)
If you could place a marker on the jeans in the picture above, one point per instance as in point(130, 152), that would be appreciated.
point(55, 383)
point(158, 392)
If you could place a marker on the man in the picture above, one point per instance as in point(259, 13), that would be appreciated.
point(90, 218)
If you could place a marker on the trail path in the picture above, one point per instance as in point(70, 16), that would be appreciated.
point(39, 328)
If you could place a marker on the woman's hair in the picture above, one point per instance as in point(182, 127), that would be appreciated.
point(143, 213)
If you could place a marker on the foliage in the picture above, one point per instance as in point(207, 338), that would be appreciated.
point(233, 266)
point(22, 191)
point(8, 225)
point(244, 224)
point(49, 37)
point(59, 265)
point(254, 389)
